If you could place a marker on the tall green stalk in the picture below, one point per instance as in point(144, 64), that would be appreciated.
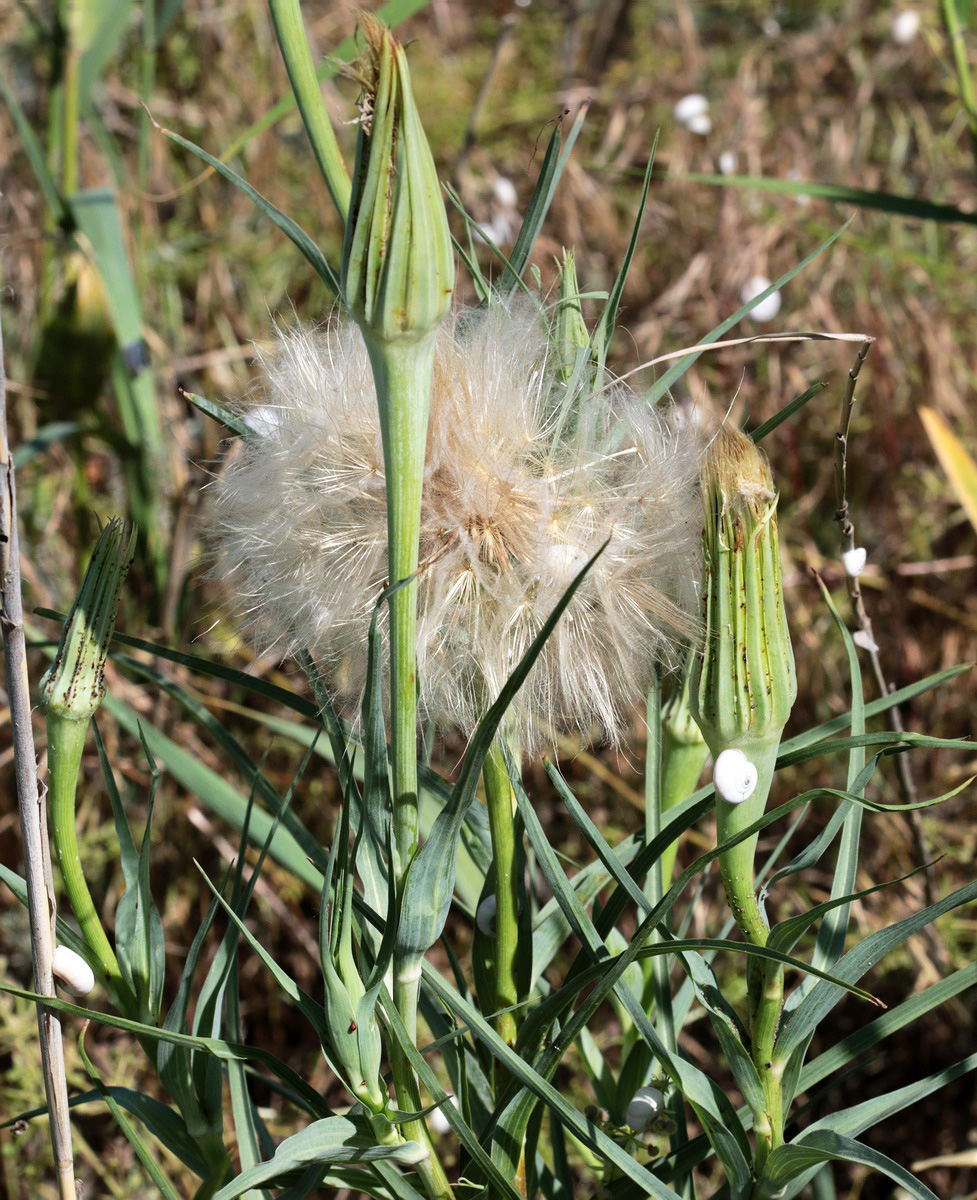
point(397, 281)
point(742, 689)
point(71, 691)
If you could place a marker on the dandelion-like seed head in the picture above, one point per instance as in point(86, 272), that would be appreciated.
point(526, 477)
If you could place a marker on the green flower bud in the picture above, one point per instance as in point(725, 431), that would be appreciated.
point(743, 684)
point(71, 691)
point(351, 1040)
point(73, 686)
point(398, 263)
point(570, 335)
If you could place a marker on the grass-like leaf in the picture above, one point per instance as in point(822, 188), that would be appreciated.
point(296, 235)
point(678, 369)
point(887, 202)
point(332, 1140)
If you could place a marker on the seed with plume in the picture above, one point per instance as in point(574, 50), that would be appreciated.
point(526, 477)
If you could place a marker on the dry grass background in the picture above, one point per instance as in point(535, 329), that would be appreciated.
point(826, 97)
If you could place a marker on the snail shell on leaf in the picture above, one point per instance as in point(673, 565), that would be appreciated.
point(72, 970)
point(734, 777)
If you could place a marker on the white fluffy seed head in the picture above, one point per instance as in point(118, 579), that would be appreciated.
point(72, 970)
point(526, 478)
point(646, 1105)
point(734, 776)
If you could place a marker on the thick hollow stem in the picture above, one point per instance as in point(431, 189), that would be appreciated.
point(66, 741)
point(403, 375)
point(498, 797)
point(766, 979)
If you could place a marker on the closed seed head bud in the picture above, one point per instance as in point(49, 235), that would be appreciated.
point(73, 686)
point(526, 476)
point(743, 684)
point(398, 262)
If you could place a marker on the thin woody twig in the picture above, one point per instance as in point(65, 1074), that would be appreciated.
point(847, 530)
point(33, 815)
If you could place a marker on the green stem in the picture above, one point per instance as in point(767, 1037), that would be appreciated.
point(502, 826)
point(66, 741)
point(682, 764)
point(404, 374)
point(766, 981)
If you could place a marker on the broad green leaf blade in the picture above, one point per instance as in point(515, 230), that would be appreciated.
point(877, 1031)
point(297, 236)
point(811, 1149)
point(959, 466)
point(800, 1023)
point(678, 369)
point(889, 202)
point(332, 1140)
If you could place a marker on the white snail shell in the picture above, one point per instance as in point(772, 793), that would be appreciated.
point(76, 975)
point(646, 1104)
point(485, 915)
point(854, 561)
point(734, 777)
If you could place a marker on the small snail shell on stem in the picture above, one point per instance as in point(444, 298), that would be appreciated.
point(734, 777)
point(486, 915)
point(72, 970)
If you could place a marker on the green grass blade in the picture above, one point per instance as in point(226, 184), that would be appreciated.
point(332, 1140)
point(554, 162)
point(297, 236)
point(217, 794)
point(877, 1031)
point(391, 13)
point(218, 412)
point(607, 322)
point(133, 1138)
point(221, 1048)
point(887, 202)
point(430, 879)
point(787, 412)
point(581, 1128)
point(787, 1162)
point(678, 369)
point(34, 151)
point(824, 996)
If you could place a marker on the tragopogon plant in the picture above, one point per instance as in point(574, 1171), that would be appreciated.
point(459, 519)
